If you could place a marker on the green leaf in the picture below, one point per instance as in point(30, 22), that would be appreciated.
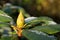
point(38, 21)
point(27, 20)
point(4, 24)
point(4, 17)
point(45, 18)
point(50, 29)
point(6, 38)
point(9, 38)
point(31, 35)
point(32, 24)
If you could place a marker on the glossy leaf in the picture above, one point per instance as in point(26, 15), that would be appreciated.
point(50, 29)
point(45, 18)
point(41, 21)
point(29, 19)
point(31, 35)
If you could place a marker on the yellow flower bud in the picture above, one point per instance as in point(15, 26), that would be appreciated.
point(20, 20)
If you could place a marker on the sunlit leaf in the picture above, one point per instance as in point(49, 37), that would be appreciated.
point(29, 19)
point(3, 24)
point(4, 17)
